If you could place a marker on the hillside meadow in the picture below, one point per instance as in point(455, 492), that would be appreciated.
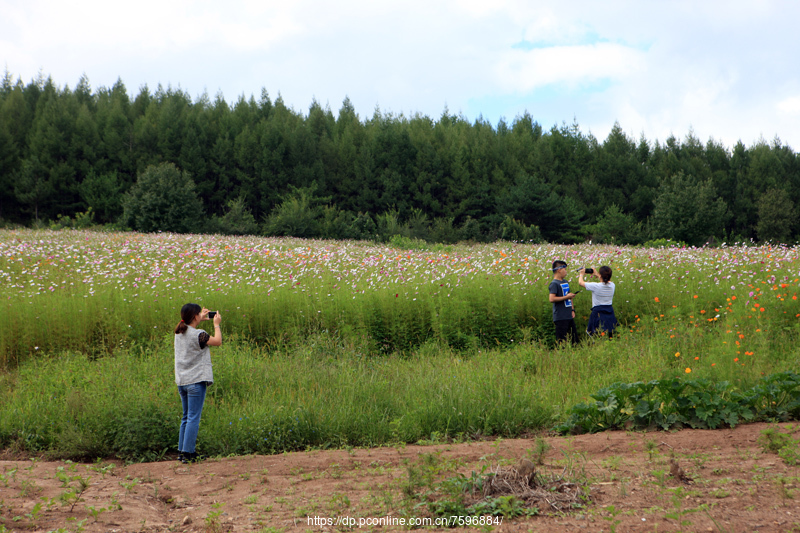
point(346, 343)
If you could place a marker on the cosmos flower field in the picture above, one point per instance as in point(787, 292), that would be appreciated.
point(362, 317)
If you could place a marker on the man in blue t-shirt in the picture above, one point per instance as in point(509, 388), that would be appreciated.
point(561, 298)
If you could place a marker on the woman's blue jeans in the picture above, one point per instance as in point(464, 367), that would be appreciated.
point(192, 398)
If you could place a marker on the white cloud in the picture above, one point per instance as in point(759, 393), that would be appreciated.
point(789, 105)
point(524, 70)
point(721, 67)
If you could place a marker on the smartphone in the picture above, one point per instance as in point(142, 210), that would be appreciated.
point(212, 314)
point(576, 292)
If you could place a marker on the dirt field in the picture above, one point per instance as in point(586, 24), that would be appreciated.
point(729, 484)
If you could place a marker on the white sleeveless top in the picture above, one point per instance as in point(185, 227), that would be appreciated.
point(192, 363)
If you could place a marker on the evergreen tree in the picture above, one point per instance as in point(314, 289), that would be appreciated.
point(33, 187)
point(688, 210)
point(777, 218)
point(103, 193)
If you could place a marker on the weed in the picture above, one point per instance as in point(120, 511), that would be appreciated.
point(115, 505)
point(338, 501)
point(213, 522)
point(28, 487)
point(129, 487)
point(80, 526)
point(8, 474)
point(652, 448)
point(95, 512)
point(613, 462)
point(783, 483)
point(73, 492)
point(102, 468)
point(33, 515)
point(773, 440)
point(612, 518)
point(661, 478)
point(678, 512)
point(699, 459)
point(539, 452)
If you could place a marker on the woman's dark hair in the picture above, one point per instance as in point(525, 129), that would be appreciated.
point(605, 273)
point(188, 312)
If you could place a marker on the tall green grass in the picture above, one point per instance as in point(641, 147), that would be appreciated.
point(333, 344)
point(94, 293)
point(327, 392)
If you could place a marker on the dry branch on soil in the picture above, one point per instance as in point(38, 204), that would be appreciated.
point(536, 490)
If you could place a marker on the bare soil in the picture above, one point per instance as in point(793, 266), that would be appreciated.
point(720, 480)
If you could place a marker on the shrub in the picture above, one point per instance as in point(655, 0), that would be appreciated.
point(237, 220)
point(163, 199)
point(514, 230)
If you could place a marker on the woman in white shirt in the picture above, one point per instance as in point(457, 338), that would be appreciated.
point(193, 372)
point(602, 318)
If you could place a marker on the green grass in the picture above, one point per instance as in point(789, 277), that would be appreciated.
point(374, 346)
point(322, 393)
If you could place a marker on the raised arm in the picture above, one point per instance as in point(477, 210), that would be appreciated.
point(216, 340)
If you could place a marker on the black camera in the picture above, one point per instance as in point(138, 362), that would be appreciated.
point(212, 314)
point(588, 270)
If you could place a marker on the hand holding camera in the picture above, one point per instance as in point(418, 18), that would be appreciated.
point(212, 315)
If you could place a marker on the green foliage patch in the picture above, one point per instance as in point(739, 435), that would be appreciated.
point(696, 403)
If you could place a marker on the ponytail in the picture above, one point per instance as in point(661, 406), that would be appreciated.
point(188, 313)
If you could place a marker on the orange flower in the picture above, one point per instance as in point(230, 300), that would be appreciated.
point(762, 309)
point(733, 297)
point(736, 360)
point(677, 354)
point(696, 358)
point(688, 370)
point(702, 311)
point(656, 298)
point(695, 296)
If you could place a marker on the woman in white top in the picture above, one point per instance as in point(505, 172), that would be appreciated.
point(193, 372)
point(602, 317)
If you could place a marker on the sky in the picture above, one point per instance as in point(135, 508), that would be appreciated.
point(723, 70)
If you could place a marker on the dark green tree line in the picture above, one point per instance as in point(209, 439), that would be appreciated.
point(256, 165)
